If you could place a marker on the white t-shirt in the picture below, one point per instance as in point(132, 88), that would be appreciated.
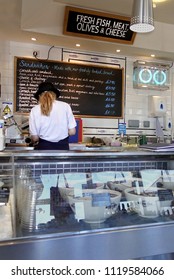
point(55, 127)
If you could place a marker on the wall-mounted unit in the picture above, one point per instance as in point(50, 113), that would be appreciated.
point(151, 75)
point(157, 106)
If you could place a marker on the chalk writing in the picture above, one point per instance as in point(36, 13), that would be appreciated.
point(90, 90)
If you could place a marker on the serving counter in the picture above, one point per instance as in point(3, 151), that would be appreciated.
point(87, 204)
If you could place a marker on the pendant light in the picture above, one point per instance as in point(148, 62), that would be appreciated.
point(142, 16)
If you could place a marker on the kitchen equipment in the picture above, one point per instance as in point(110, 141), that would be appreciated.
point(142, 139)
point(22, 177)
point(2, 136)
point(30, 194)
point(13, 132)
point(95, 205)
point(146, 204)
point(122, 181)
point(165, 178)
point(27, 193)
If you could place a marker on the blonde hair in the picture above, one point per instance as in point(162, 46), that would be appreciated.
point(46, 100)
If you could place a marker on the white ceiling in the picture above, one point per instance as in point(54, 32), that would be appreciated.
point(22, 19)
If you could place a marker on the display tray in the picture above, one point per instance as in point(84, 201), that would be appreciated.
point(18, 148)
point(158, 147)
point(105, 148)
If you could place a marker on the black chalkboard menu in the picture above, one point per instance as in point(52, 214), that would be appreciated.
point(91, 91)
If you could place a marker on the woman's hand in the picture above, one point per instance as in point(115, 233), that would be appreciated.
point(34, 138)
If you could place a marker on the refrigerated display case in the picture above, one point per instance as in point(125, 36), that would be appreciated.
point(7, 202)
point(91, 204)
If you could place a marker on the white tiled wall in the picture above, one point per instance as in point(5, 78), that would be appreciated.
point(136, 100)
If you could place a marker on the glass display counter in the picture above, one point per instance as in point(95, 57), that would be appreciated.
point(87, 205)
point(7, 201)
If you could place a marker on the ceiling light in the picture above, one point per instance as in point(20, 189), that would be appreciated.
point(33, 39)
point(117, 50)
point(77, 45)
point(142, 16)
point(159, 1)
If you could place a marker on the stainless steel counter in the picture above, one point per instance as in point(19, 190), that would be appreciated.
point(101, 151)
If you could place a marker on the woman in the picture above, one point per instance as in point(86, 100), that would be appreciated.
point(51, 121)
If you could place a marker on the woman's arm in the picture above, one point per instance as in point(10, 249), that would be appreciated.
point(33, 127)
point(72, 131)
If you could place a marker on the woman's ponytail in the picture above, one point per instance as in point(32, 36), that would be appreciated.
point(46, 100)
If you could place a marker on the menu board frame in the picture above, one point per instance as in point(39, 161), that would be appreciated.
point(90, 90)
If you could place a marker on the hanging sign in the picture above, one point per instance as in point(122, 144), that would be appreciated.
point(97, 25)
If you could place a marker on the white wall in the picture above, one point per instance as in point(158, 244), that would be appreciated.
point(136, 100)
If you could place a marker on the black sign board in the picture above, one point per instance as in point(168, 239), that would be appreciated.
point(165, 194)
point(97, 25)
point(90, 90)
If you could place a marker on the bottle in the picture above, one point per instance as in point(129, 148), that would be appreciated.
point(2, 139)
point(142, 139)
point(2, 136)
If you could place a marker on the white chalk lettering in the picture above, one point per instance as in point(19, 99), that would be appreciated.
point(103, 22)
point(121, 26)
point(87, 28)
point(115, 32)
point(85, 19)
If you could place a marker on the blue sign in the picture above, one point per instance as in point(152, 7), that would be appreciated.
point(122, 128)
